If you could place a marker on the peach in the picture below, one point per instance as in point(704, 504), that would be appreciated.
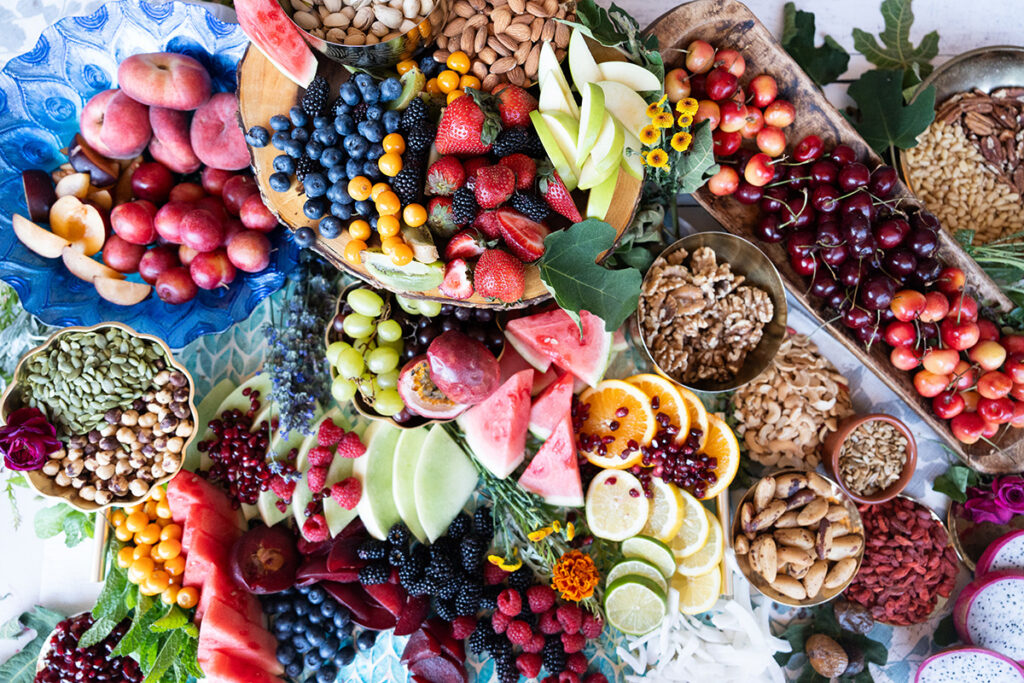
point(37, 238)
point(78, 223)
point(168, 220)
point(217, 136)
point(172, 140)
point(121, 255)
point(156, 261)
point(133, 222)
point(90, 121)
point(165, 79)
point(121, 292)
point(249, 251)
point(124, 127)
point(212, 269)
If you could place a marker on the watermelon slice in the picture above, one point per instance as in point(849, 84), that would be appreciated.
point(206, 554)
point(510, 362)
point(212, 523)
point(551, 406)
point(554, 474)
point(222, 667)
point(278, 38)
point(496, 429)
point(187, 490)
point(226, 630)
point(220, 587)
point(554, 337)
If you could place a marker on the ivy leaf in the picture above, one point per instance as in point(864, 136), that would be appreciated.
point(955, 482)
point(898, 52)
point(824, 64)
point(884, 120)
point(570, 272)
point(21, 668)
point(698, 163)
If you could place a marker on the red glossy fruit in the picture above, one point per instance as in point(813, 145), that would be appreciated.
point(996, 410)
point(771, 140)
point(763, 90)
point(700, 57)
point(951, 281)
point(929, 384)
point(726, 144)
point(1015, 367)
point(462, 368)
point(732, 61)
point(811, 147)
point(936, 307)
point(899, 333)
point(754, 123)
point(971, 399)
point(724, 182)
point(734, 116)
point(960, 336)
point(989, 430)
point(708, 111)
point(905, 358)
point(1014, 343)
point(759, 170)
point(779, 113)
point(994, 384)
point(940, 361)
point(264, 560)
point(964, 375)
point(987, 330)
point(967, 427)
point(948, 405)
point(989, 355)
point(963, 307)
point(720, 84)
point(907, 304)
point(1018, 415)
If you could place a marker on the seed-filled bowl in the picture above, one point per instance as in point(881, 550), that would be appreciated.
point(872, 457)
point(122, 406)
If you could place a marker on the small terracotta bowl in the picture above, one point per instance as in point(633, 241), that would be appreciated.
point(833, 447)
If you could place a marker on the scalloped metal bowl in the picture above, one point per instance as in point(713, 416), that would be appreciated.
point(46, 486)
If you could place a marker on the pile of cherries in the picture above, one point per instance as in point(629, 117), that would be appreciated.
point(66, 662)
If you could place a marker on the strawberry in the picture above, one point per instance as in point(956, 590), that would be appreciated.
point(282, 487)
point(499, 275)
point(466, 128)
point(494, 185)
point(524, 167)
point(316, 477)
point(553, 190)
point(473, 165)
point(524, 237)
point(456, 283)
point(439, 216)
point(329, 433)
point(347, 492)
point(445, 176)
point(320, 456)
point(487, 222)
point(350, 446)
point(514, 105)
point(466, 244)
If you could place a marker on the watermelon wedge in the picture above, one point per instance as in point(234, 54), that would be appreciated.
point(226, 630)
point(222, 667)
point(220, 587)
point(496, 429)
point(510, 362)
point(188, 490)
point(551, 406)
point(204, 557)
point(554, 337)
point(210, 521)
point(554, 474)
point(278, 38)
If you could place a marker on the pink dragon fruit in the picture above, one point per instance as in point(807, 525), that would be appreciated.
point(988, 613)
point(969, 664)
point(1006, 552)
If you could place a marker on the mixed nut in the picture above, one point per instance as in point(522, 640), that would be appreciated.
point(797, 536)
point(360, 22)
point(872, 457)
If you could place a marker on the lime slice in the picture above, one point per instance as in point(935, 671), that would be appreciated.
point(634, 605)
point(652, 550)
point(636, 567)
point(616, 506)
point(668, 511)
point(698, 593)
point(694, 531)
point(708, 557)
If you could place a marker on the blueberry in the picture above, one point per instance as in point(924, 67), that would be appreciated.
point(315, 635)
point(284, 164)
point(392, 121)
point(331, 157)
point(390, 89)
point(372, 94)
point(340, 107)
point(313, 659)
point(332, 642)
point(293, 670)
point(349, 93)
point(329, 607)
point(293, 148)
point(353, 168)
point(258, 136)
point(315, 617)
point(366, 640)
point(300, 134)
point(280, 122)
point(328, 136)
point(374, 112)
point(375, 152)
point(345, 125)
point(364, 208)
point(373, 222)
point(279, 139)
point(371, 130)
point(298, 117)
point(336, 172)
point(314, 149)
point(315, 209)
point(338, 192)
point(282, 628)
point(285, 654)
point(356, 146)
point(326, 674)
point(370, 168)
point(315, 185)
point(341, 212)
point(302, 590)
point(321, 122)
point(280, 182)
point(345, 656)
point(363, 80)
point(430, 66)
point(301, 644)
point(342, 617)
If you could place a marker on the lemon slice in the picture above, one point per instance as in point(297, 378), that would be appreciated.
point(698, 593)
point(652, 550)
point(709, 556)
point(634, 605)
point(668, 511)
point(694, 531)
point(616, 507)
point(636, 567)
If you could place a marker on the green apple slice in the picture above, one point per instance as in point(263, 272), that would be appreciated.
point(552, 98)
point(605, 156)
point(375, 469)
point(445, 479)
point(407, 457)
point(600, 198)
point(591, 118)
point(632, 163)
point(629, 74)
point(548, 61)
point(554, 152)
point(626, 105)
point(552, 69)
point(582, 65)
point(566, 131)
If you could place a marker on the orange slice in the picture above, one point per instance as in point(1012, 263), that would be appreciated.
point(622, 406)
point(669, 402)
point(722, 445)
point(698, 415)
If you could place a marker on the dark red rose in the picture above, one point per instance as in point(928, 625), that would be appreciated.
point(27, 439)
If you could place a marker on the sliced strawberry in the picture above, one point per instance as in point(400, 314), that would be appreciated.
point(466, 244)
point(525, 238)
point(456, 283)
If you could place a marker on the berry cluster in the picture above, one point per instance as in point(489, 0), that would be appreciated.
point(476, 323)
point(66, 662)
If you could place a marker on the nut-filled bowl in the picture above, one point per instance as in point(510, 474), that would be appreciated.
point(122, 407)
point(863, 455)
point(798, 537)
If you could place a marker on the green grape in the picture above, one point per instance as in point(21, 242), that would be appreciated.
point(363, 346)
point(389, 330)
point(387, 380)
point(334, 349)
point(408, 305)
point(350, 363)
point(430, 308)
point(343, 389)
point(365, 302)
point(382, 359)
point(366, 387)
point(398, 345)
point(358, 326)
point(388, 402)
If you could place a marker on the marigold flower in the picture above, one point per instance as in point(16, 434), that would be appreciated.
point(575, 576)
point(663, 120)
point(684, 121)
point(681, 141)
point(649, 135)
point(687, 106)
point(657, 158)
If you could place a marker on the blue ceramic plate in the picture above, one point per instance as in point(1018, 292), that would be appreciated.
point(41, 95)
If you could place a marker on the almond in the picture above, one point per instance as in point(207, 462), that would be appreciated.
point(476, 21)
point(549, 30)
point(455, 27)
point(503, 65)
point(464, 9)
point(487, 55)
point(478, 5)
point(536, 9)
point(501, 18)
point(441, 56)
point(561, 36)
point(518, 32)
point(509, 42)
point(489, 82)
point(498, 46)
point(518, 6)
point(468, 37)
point(535, 29)
point(480, 42)
point(522, 19)
point(479, 69)
point(550, 7)
point(532, 61)
point(521, 52)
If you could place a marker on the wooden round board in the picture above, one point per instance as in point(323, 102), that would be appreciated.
point(263, 91)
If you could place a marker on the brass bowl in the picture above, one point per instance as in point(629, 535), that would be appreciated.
point(47, 487)
point(758, 582)
point(747, 260)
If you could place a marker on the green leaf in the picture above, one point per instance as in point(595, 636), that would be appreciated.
point(12, 629)
point(896, 51)
point(884, 120)
point(797, 634)
point(147, 613)
point(21, 668)
point(955, 482)
point(863, 677)
point(62, 518)
point(823, 64)
point(697, 164)
point(41, 620)
point(569, 271)
point(174, 618)
point(873, 651)
point(945, 633)
point(165, 658)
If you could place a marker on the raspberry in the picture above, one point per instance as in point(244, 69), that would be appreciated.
point(548, 623)
point(316, 477)
point(568, 677)
point(536, 644)
point(528, 664)
point(570, 617)
point(540, 598)
point(573, 642)
point(577, 663)
point(500, 621)
point(347, 492)
point(463, 627)
point(350, 446)
point(519, 633)
point(321, 456)
point(315, 528)
point(595, 678)
point(493, 574)
point(592, 626)
point(329, 433)
point(282, 487)
point(510, 602)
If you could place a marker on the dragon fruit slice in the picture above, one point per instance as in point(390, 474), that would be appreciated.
point(988, 613)
point(969, 664)
point(1007, 552)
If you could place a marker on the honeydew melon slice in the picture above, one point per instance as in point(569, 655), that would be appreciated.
point(407, 457)
point(445, 479)
point(206, 411)
point(279, 449)
point(375, 469)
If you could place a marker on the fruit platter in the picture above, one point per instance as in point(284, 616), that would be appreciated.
point(362, 340)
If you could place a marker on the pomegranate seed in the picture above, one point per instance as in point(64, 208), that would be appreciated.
point(622, 412)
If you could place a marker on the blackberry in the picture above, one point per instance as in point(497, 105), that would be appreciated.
point(510, 141)
point(521, 579)
point(489, 597)
point(500, 647)
point(420, 558)
point(553, 655)
point(396, 556)
point(478, 639)
point(374, 573)
point(530, 205)
point(420, 137)
point(466, 603)
point(398, 536)
point(372, 549)
point(534, 147)
point(483, 523)
point(446, 546)
point(459, 526)
point(359, 112)
point(441, 570)
point(448, 589)
point(445, 609)
point(464, 206)
point(315, 98)
point(408, 185)
point(414, 114)
point(408, 576)
point(471, 553)
point(506, 670)
point(304, 166)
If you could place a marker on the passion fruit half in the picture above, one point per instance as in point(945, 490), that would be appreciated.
point(421, 395)
point(264, 560)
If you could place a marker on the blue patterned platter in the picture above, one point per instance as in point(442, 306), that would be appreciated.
point(41, 95)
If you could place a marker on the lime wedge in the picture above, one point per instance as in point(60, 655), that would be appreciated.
point(652, 550)
point(709, 556)
point(634, 605)
point(635, 567)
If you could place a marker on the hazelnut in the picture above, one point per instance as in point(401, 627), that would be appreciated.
point(105, 457)
point(156, 471)
point(162, 378)
point(62, 479)
point(104, 497)
point(175, 444)
point(147, 420)
point(122, 466)
point(109, 443)
point(148, 450)
point(118, 485)
point(108, 430)
point(90, 449)
point(147, 397)
point(138, 487)
point(51, 468)
point(78, 483)
point(181, 395)
point(74, 453)
point(178, 379)
point(125, 435)
point(136, 461)
point(130, 418)
point(144, 474)
point(113, 416)
point(181, 410)
point(164, 396)
point(168, 424)
point(74, 468)
point(78, 440)
point(184, 429)
point(106, 471)
point(144, 435)
point(91, 464)
point(170, 463)
point(88, 493)
point(160, 443)
point(94, 436)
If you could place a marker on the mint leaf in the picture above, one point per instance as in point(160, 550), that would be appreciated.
point(823, 64)
point(570, 272)
point(165, 658)
point(896, 51)
point(175, 618)
point(62, 518)
point(955, 482)
point(697, 164)
point(884, 120)
point(147, 613)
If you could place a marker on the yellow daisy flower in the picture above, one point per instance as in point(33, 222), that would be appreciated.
point(657, 158)
point(663, 120)
point(687, 106)
point(653, 110)
point(649, 135)
point(684, 121)
point(681, 141)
